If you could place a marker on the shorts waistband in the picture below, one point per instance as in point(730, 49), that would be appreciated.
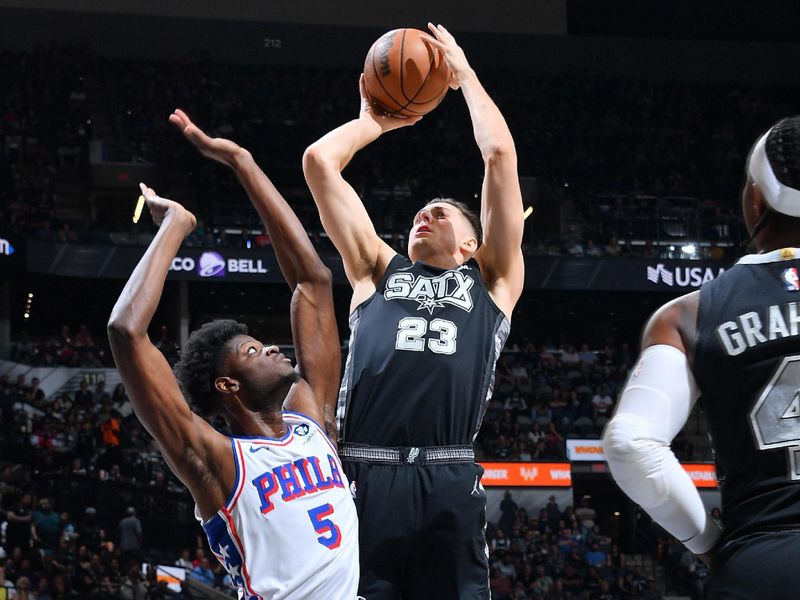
point(406, 455)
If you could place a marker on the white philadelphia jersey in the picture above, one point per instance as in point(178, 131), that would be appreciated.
point(289, 528)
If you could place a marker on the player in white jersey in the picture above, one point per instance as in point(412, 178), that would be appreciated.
point(272, 498)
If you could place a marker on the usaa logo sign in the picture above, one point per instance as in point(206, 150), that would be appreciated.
point(6, 249)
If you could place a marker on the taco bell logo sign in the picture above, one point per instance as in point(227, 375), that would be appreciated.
point(211, 264)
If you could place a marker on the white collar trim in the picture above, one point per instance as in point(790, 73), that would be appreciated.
point(774, 256)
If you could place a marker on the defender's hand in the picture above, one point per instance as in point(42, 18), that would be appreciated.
point(452, 52)
point(219, 149)
point(386, 122)
point(161, 208)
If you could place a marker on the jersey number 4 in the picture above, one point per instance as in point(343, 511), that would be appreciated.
point(330, 536)
point(415, 333)
point(775, 417)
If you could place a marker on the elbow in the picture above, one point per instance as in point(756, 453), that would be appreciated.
point(315, 161)
point(636, 459)
point(499, 152)
point(620, 439)
point(320, 275)
point(117, 331)
point(120, 329)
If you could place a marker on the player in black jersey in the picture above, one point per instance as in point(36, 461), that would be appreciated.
point(426, 332)
point(735, 345)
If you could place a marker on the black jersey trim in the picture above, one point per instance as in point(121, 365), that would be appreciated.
point(382, 283)
point(486, 293)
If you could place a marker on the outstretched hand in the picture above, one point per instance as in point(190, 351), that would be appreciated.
point(219, 149)
point(386, 122)
point(452, 52)
point(160, 208)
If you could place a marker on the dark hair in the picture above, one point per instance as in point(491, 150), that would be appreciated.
point(465, 210)
point(201, 362)
point(782, 148)
point(783, 151)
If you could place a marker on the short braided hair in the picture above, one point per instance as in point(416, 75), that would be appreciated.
point(783, 151)
point(201, 362)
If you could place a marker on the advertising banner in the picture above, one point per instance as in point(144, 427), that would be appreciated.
point(518, 474)
point(585, 450)
point(259, 265)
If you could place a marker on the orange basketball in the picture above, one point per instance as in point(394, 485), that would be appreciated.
point(405, 76)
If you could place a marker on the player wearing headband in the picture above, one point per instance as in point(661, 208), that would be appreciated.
point(735, 345)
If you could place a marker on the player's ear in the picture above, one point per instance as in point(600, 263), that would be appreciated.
point(469, 246)
point(759, 204)
point(227, 386)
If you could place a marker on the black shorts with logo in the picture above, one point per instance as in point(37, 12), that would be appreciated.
point(421, 530)
point(760, 566)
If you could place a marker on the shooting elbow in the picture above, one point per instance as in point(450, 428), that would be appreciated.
point(499, 152)
point(315, 162)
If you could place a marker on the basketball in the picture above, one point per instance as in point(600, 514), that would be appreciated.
point(404, 76)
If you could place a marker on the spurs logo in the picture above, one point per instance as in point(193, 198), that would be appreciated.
point(451, 287)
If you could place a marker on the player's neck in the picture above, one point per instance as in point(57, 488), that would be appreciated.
point(266, 423)
point(778, 241)
point(439, 261)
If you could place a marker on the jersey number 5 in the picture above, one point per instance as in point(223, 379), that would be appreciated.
point(411, 335)
point(331, 536)
point(775, 417)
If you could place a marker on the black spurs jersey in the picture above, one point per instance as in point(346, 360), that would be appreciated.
point(420, 367)
point(747, 366)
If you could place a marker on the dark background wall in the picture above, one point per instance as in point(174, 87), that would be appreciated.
point(522, 37)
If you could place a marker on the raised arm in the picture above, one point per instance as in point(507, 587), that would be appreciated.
point(316, 336)
point(500, 255)
point(654, 406)
point(364, 253)
point(195, 452)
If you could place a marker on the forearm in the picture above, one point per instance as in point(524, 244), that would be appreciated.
point(139, 298)
point(489, 127)
point(298, 260)
point(337, 148)
point(653, 407)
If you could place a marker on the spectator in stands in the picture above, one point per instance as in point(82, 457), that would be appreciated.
point(133, 586)
point(602, 403)
point(508, 512)
point(20, 521)
point(83, 397)
point(185, 562)
point(515, 403)
point(130, 533)
point(23, 589)
point(596, 557)
point(46, 527)
point(586, 516)
point(101, 396)
point(569, 356)
point(500, 584)
point(203, 572)
point(6, 584)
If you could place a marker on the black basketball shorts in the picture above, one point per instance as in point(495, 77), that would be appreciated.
point(421, 531)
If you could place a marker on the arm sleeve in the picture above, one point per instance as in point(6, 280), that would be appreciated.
point(653, 408)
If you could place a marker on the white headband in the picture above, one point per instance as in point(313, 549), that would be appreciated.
point(780, 198)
